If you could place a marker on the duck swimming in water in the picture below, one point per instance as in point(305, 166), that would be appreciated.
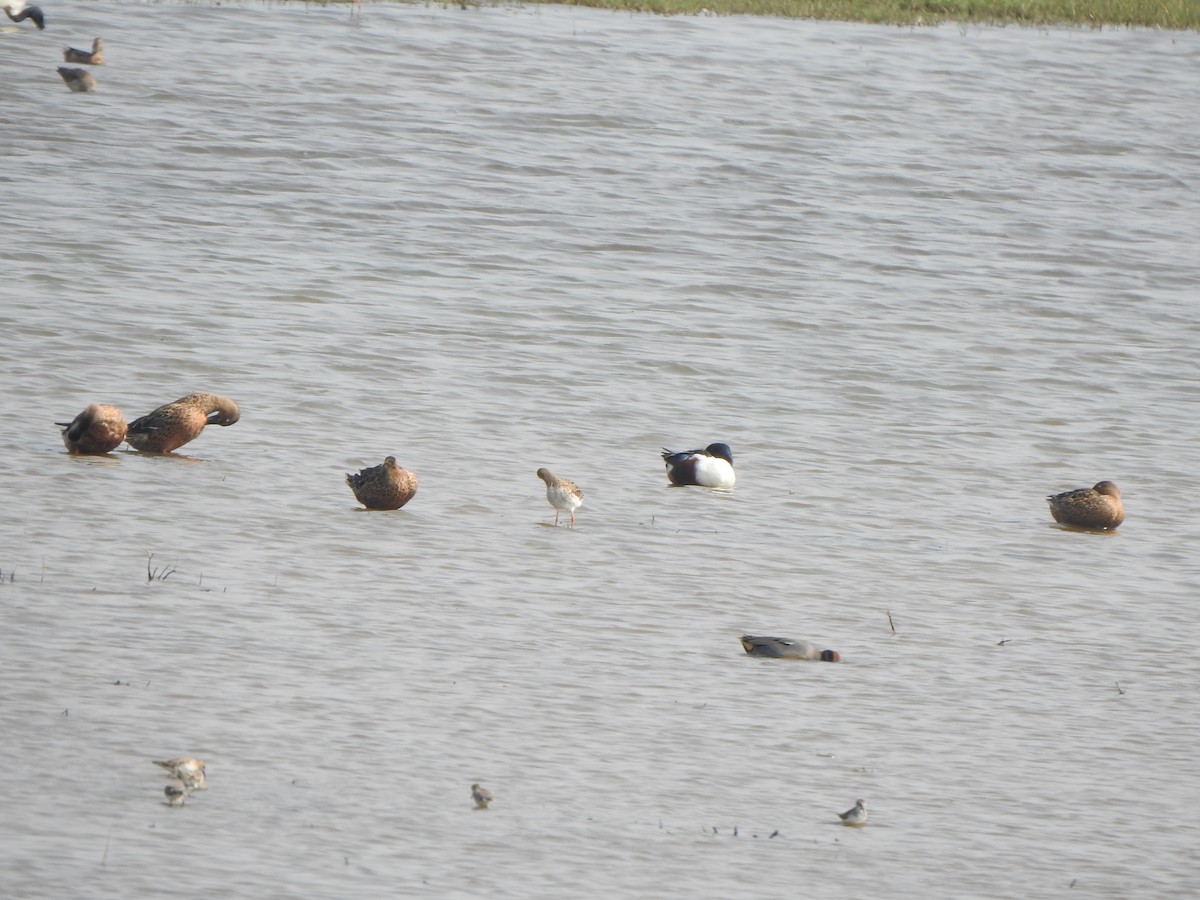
point(78, 80)
point(710, 467)
point(386, 486)
point(98, 429)
point(782, 648)
point(19, 12)
point(1098, 507)
point(93, 58)
point(171, 426)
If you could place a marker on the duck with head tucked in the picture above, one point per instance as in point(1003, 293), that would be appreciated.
point(93, 58)
point(710, 467)
point(98, 429)
point(170, 427)
point(386, 486)
point(1098, 508)
point(783, 648)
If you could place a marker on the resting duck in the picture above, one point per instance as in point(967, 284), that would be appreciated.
point(710, 467)
point(782, 648)
point(1097, 507)
point(171, 426)
point(855, 818)
point(94, 58)
point(98, 429)
point(78, 80)
point(19, 12)
point(565, 496)
point(386, 486)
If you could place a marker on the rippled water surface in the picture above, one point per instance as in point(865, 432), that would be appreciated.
point(917, 279)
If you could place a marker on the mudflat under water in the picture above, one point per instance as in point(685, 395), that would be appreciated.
point(917, 279)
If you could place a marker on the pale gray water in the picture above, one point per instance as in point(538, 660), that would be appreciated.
point(917, 279)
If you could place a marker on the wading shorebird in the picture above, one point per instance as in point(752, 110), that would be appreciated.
point(188, 771)
point(1098, 507)
point(782, 648)
point(98, 429)
point(176, 793)
point(481, 795)
point(386, 486)
point(855, 818)
point(171, 426)
point(710, 467)
point(93, 58)
point(78, 80)
point(19, 12)
point(565, 496)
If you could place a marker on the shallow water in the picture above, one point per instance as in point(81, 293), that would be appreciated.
point(917, 279)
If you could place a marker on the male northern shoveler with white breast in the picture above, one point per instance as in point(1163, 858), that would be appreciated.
point(782, 648)
point(1097, 507)
point(710, 467)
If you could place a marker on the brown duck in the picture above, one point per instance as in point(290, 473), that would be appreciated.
point(78, 80)
point(386, 486)
point(98, 429)
point(93, 58)
point(1097, 507)
point(170, 427)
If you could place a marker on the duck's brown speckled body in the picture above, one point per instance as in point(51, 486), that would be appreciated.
point(386, 486)
point(1097, 507)
point(170, 427)
point(78, 80)
point(98, 429)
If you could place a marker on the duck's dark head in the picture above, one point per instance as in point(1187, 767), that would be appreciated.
point(720, 450)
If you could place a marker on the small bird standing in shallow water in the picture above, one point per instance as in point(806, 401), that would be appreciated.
point(78, 80)
point(93, 58)
point(565, 496)
point(710, 467)
point(19, 12)
point(1097, 507)
point(187, 770)
point(386, 486)
point(855, 818)
point(481, 795)
point(176, 793)
point(782, 648)
point(174, 424)
point(98, 429)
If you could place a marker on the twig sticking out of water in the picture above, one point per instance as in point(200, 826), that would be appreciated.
point(160, 574)
point(891, 624)
point(1003, 642)
point(1120, 690)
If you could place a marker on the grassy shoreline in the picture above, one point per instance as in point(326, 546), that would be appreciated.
point(1177, 15)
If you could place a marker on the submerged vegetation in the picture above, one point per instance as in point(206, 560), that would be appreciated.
point(1172, 14)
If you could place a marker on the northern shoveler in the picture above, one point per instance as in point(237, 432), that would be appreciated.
point(171, 426)
point(78, 80)
point(481, 795)
point(855, 818)
point(187, 770)
point(1097, 507)
point(565, 496)
point(19, 12)
point(782, 648)
point(386, 486)
point(710, 467)
point(98, 429)
point(93, 58)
